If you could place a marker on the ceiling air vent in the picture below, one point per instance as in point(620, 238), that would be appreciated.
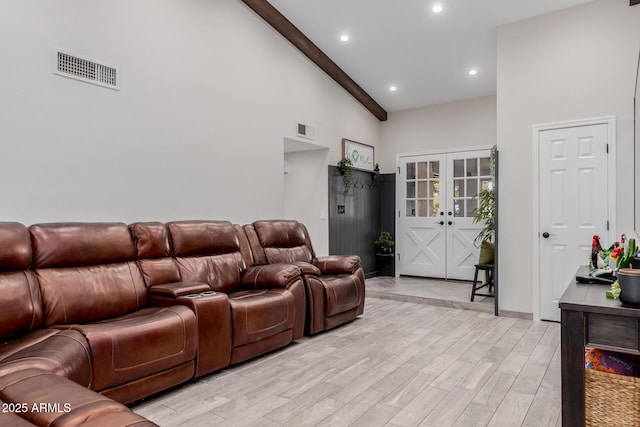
point(306, 131)
point(86, 70)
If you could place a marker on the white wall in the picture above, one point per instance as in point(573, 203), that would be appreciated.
point(208, 93)
point(470, 123)
point(572, 64)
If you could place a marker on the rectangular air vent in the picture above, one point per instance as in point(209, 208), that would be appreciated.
point(306, 131)
point(86, 70)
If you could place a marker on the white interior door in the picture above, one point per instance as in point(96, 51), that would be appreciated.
point(421, 222)
point(437, 195)
point(573, 193)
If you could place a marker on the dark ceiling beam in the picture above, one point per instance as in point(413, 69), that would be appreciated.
point(634, 2)
point(282, 25)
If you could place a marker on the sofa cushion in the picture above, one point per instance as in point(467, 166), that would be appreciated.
point(87, 271)
point(282, 241)
point(86, 294)
point(154, 253)
point(64, 353)
point(20, 304)
point(260, 314)
point(151, 238)
point(193, 238)
point(208, 252)
point(20, 301)
point(78, 244)
point(16, 247)
point(140, 344)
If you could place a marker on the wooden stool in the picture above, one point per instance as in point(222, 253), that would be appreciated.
point(488, 269)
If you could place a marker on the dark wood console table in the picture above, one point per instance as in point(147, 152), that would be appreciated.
point(590, 319)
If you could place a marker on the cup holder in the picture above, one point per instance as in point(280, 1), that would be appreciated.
point(192, 296)
point(207, 293)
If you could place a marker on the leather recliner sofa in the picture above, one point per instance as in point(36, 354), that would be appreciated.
point(334, 284)
point(266, 304)
point(102, 311)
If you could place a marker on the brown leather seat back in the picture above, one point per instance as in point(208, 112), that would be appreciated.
point(207, 252)
point(154, 253)
point(20, 302)
point(277, 241)
point(87, 271)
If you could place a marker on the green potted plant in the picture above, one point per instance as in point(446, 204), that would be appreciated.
point(345, 168)
point(485, 214)
point(384, 243)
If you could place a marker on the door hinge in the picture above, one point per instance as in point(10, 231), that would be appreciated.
point(607, 225)
point(398, 170)
point(398, 256)
point(607, 146)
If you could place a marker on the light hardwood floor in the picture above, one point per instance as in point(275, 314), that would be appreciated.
point(400, 364)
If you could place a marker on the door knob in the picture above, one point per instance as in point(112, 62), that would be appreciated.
point(546, 235)
point(450, 223)
point(441, 223)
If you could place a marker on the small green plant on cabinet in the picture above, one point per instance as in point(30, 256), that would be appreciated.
point(385, 243)
point(345, 167)
point(376, 168)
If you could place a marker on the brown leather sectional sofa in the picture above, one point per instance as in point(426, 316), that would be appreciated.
point(97, 315)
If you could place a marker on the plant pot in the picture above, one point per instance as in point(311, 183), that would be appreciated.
point(487, 253)
point(385, 263)
point(629, 281)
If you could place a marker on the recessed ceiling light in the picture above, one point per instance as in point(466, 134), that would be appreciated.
point(344, 38)
point(437, 8)
point(473, 71)
point(392, 88)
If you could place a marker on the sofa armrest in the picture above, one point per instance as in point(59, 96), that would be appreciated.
point(178, 289)
point(213, 314)
point(269, 276)
point(307, 268)
point(338, 264)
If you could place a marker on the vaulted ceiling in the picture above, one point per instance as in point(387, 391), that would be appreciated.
point(425, 55)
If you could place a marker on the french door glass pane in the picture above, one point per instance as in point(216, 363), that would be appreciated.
point(411, 190)
point(458, 207)
point(411, 208)
point(458, 168)
point(435, 207)
point(458, 187)
point(485, 168)
point(411, 171)
point(423, 209)
point(472, 187)
point(423, 187)
point(434, 171)
point(472, 204)
point(472, 167)
point(434, 189)
point(422, 170)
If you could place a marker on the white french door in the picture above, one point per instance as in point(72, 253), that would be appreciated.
point(437, 196)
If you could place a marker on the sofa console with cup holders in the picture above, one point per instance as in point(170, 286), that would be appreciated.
point(97, 315)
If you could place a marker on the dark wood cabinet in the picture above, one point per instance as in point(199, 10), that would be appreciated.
point(589, 319)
